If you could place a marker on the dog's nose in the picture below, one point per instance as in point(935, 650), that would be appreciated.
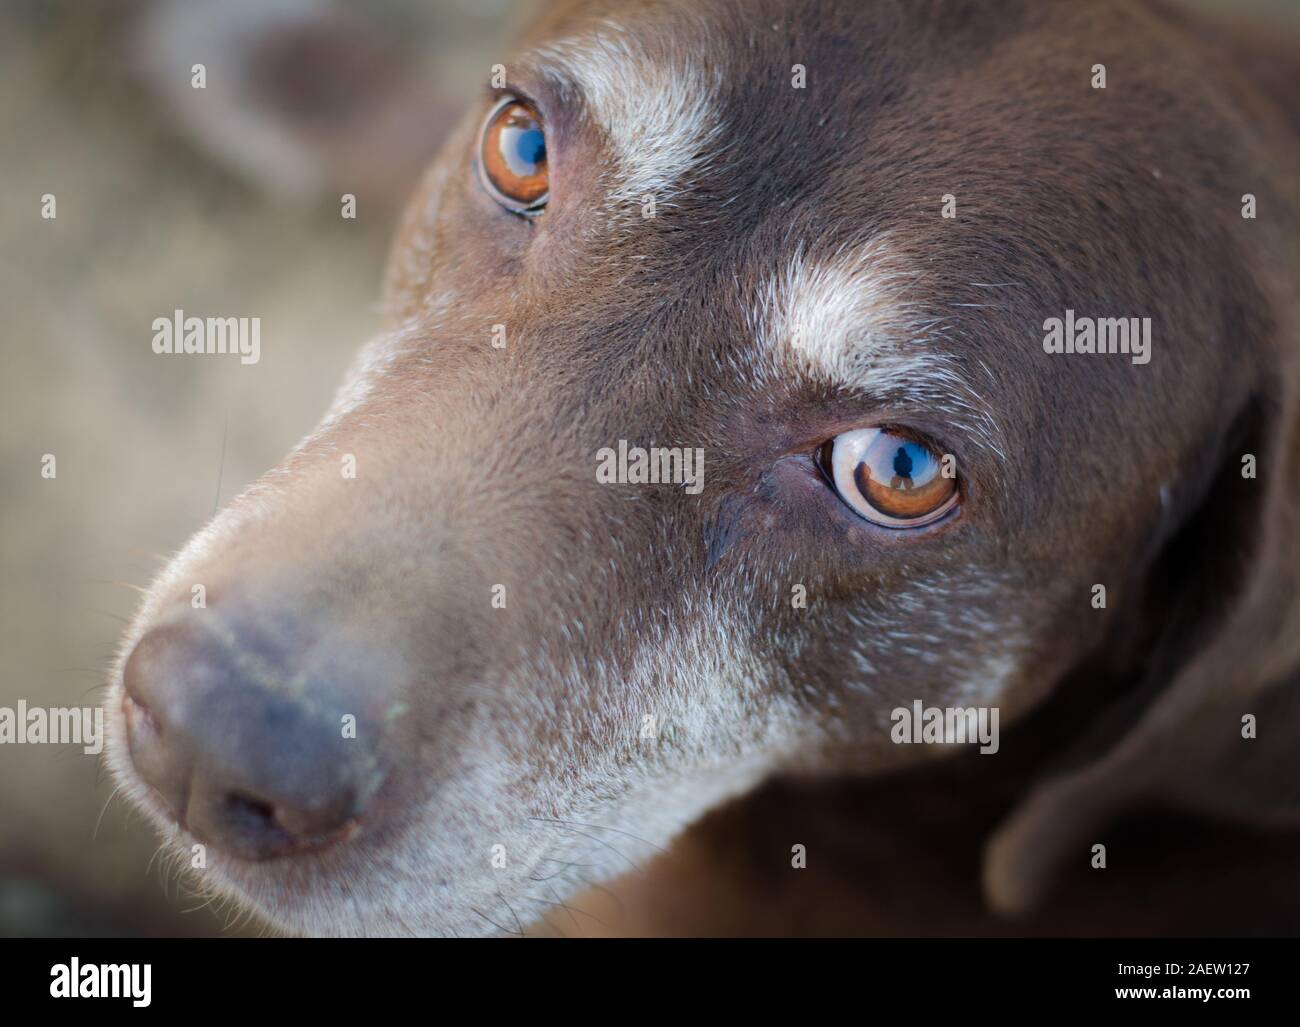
point(252, 760)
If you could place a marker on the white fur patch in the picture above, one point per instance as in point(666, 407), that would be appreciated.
point(658, 110)
point(609, 797)
point(600, 800)
point(851, 321)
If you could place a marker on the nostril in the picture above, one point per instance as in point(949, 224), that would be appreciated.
point(241, 823)
point(156, 759)
point(239, 760)
point(258, 829)
point(139, 717)
point(245, 807)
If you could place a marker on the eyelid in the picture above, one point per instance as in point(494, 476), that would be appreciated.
point(498, 98)
point(534, 81)
point(539, 99)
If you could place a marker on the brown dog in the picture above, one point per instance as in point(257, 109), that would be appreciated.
point(960, 339)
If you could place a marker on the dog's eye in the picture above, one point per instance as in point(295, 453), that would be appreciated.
point(891, 479)
point(512, 157)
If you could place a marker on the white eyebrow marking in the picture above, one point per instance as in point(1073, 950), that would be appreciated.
point(848, 321)
point(657, 106)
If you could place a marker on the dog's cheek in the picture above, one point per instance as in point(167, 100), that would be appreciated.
point(946, 639)
point(454, 245)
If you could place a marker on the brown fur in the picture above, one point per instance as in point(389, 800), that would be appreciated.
point(1123, 201)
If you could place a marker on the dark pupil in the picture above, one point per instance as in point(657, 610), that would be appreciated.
point(912, 466)
point(523, 146)
point(908, 467)
point(902, 463)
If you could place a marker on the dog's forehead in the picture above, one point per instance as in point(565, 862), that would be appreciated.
point(802, 159)
point(761, 92)
point(796, 135)
point(673, 90)
point(750, 126)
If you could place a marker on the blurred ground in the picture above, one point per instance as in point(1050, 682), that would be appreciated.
point(147, 221)
point(152, 217)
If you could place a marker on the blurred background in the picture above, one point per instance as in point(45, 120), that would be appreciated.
point(221, 201)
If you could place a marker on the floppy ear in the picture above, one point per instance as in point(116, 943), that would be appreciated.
point(1220, 595)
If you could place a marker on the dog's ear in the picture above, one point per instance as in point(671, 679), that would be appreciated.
point(299, 100)
point(1213, 720)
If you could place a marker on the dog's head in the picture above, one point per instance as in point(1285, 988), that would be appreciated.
point(459, 657)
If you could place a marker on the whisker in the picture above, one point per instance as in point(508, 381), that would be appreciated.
point(94, 835)
point(109, 614)
point(569, 863)
point(559, 872)
point(518, 925)
point(597, 886)
point(203, 905)
point(221, 468)
point(599, 841)
point(616, 830)
point(489, 920)
point(111, 581)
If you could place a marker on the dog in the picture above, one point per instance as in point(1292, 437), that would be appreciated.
point(443, 674)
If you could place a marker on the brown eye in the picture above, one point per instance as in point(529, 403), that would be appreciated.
point(890, 479)
point(512, 157)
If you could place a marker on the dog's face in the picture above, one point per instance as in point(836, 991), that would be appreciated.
point(447, 672)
